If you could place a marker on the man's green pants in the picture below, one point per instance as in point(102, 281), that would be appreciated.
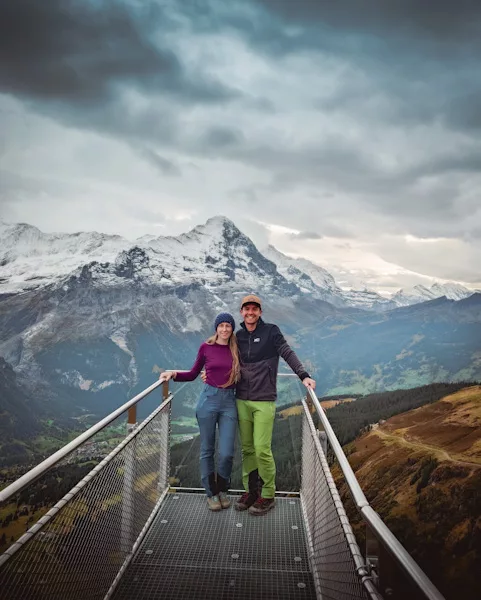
point(256, 421)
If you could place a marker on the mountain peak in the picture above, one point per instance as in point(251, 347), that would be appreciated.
point(220, 221)
point(13, 232)
point(421, 293)
point(219, 226)
point(218, 234)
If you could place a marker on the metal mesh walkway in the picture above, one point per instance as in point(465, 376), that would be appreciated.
point(122, 533)
point(190, 552)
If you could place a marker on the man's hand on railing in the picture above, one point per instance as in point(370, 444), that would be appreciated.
point(309, 383)
point(168, 375)
point(203, 376)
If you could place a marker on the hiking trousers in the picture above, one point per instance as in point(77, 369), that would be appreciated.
point(216, 410)
point(256, 422)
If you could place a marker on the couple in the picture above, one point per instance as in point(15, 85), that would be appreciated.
point(240, 391)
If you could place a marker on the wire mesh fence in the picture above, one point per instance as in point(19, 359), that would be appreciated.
point(78, 547)
point(334, 554)
point(82, 546)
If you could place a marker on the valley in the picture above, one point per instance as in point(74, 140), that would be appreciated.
point(415, 467)
point(421, 470)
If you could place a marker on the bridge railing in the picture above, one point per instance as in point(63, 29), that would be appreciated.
point(394, 571)
point(338, 567)
point(82, 545)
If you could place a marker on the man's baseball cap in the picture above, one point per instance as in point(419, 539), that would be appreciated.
point(251, 299)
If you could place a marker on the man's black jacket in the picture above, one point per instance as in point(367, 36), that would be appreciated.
point(259, 355)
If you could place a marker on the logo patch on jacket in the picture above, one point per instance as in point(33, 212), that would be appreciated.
point(257, 339)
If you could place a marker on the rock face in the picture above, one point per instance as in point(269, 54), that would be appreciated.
point(93, 318)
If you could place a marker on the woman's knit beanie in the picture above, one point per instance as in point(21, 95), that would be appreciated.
point(224, 318)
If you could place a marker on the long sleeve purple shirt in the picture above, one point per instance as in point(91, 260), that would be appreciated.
point(217, 359)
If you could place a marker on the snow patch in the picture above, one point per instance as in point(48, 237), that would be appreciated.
point(105, 384)
point(121, 343)
point(75, 379)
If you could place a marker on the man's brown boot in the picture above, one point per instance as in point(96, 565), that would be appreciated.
point(245, 501)
point(262, 506)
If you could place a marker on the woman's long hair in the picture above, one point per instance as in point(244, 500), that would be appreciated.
point(234, 374)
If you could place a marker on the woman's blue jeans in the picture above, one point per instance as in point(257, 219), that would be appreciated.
point(216, 409)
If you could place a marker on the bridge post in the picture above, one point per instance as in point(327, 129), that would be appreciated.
point(386, 574)
point(309, 401)
point(126, 528)
point(320, 429)
point(164, 434)
point(372, 554)
point(323, 439)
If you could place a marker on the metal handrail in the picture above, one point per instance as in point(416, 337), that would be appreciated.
point(78, 487)
point(25, 480)
point(361, 568)
point(386, 537)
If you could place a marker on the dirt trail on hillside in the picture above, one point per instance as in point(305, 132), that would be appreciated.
point(438, 452)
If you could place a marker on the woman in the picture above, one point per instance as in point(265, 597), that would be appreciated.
point(216, 407)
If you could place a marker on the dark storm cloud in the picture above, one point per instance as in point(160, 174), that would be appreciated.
point(423, 56)
point(328, 161)
point(288, 164)
point(162, 164)
point(443, 19)
point(338, 162)
point(79, 53)
point(419, 64)
point(464, 109)
point(411, 89)
point(221, 138)
point(468, 161)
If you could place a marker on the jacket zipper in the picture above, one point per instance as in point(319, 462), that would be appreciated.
point(248, 356)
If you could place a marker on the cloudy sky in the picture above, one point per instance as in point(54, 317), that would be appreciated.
point(346, 132)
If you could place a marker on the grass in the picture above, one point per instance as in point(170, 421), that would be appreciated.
point(17, 528)
point(298, 409)
point(292, 411)
point(145, 482)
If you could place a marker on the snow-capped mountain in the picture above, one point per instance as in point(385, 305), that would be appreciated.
point(311, 278)
point(214, 254)
point(308, 277)
point(30, 259)
point(88, 286)
point(421, 293)
point(367, 299)
point(93, 317)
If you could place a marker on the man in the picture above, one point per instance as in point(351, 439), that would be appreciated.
point(260, 346)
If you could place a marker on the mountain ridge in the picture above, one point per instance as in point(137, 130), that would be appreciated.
point(31, 259)
point(100, 332)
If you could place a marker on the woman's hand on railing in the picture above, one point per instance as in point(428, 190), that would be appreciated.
point(168, 375)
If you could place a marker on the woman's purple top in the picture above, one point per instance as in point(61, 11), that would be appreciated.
point(217, 359)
